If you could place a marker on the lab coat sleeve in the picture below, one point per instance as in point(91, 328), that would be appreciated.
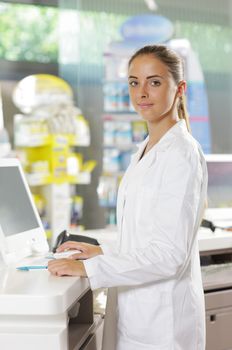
point(109, 249)
point(173, 222)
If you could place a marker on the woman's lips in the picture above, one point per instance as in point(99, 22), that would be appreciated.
point(145, 105)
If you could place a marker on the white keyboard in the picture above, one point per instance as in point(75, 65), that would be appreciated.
point(33, 262)
point(65, 254)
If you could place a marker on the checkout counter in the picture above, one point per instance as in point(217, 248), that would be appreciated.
point(41, 311)
point(216, 265)
point(217, 280)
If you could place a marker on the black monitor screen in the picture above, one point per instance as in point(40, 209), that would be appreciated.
point(219, 184)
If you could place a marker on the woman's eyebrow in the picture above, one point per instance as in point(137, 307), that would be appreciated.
point(132, 77)
point(149, 77)
point(154, 76)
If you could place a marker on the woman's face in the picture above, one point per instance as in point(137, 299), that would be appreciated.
point(152, 89)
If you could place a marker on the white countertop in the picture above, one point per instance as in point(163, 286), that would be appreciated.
point(37, 292)
point(219, 239)
point(208, 240)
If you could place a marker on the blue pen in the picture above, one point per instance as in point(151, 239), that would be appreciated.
point(32, 267)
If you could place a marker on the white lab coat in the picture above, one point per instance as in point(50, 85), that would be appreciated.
point(155, 298)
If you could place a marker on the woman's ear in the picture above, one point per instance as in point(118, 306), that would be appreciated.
point(181, 89)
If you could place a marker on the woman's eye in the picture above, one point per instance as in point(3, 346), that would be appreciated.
point(155, 83)
point(133, 83)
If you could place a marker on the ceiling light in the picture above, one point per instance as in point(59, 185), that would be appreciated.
point(151, 4)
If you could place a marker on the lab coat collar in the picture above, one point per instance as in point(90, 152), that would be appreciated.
point(165, 140)
point(163, 144)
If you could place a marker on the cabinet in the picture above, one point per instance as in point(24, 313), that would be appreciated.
point(219, 320)
point(217, 281)
point(40, 311)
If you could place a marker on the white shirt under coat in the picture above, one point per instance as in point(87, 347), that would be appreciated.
point(155, 298)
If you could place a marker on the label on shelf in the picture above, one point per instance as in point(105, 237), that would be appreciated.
point(38, 179)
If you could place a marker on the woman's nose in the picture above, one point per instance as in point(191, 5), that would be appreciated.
point(143, 91)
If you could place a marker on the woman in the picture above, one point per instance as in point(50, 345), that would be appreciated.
point(155, 298)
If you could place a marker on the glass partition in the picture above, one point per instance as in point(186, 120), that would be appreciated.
point(86, 29)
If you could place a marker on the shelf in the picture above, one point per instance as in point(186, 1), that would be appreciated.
point(33, 141)
point(116, 80)
point(46, 140)
point(76, 141)
point(108, 205)
point(121, 147)
point(113, 173)
point(122, 116)
point(5, 149)
point(83, 178)
point(37, 179)
point(81, 144)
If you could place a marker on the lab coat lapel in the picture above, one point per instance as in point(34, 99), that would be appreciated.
point(140, 167)
point(134, 164)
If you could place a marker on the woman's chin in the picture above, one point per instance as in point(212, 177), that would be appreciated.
point(148, 117)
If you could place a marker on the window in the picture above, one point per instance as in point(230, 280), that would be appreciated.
point(28, 33)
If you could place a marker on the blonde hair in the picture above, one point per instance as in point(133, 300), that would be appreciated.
point(175, 66)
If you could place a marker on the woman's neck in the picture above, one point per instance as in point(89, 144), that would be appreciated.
point(157, 130)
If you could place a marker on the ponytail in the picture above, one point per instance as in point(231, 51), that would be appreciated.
point(182, 111)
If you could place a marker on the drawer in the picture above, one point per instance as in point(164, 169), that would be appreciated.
point(90, 344)
point(219, 299)
point(218, 329)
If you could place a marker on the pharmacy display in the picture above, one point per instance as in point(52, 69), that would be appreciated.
point(46, 135)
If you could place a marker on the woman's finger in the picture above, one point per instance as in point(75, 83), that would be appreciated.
point(64, 267)
point(77, 256)
point(70, 245)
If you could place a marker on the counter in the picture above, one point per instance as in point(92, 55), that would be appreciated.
point(40, 311)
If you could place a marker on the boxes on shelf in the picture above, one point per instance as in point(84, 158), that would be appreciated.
point(116, 97)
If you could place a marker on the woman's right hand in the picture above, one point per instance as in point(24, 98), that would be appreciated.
point(85, 250)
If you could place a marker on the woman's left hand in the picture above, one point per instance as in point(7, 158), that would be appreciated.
point(67, 267)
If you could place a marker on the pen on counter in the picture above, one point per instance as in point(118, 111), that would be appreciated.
point(32, 267)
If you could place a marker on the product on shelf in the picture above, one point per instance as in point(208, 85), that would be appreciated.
point(107, 191)
point(111, 160)
point(116, 96)
point(76, 210)
point(5, 146)
point(139, 131)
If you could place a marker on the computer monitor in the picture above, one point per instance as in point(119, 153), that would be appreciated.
point(21, 230)
point(219, 186)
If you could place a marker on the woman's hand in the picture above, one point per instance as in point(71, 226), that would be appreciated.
point(67, 267)
point(86, 250)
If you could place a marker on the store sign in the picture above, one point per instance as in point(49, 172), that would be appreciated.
point(146, 28)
